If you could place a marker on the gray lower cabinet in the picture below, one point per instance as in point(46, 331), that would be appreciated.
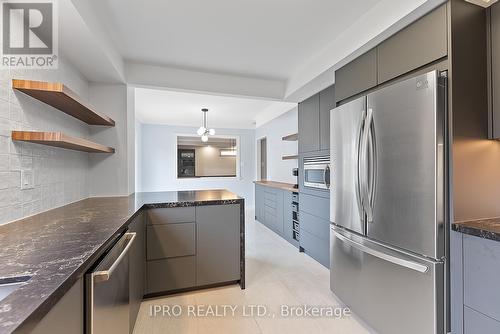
point(357, 76)
point(308, 112)
point(315, 227)
point(217, 244)
point(475, 323)
point(171, 274)
point(475, 297)
point(190, 247)
point(273, 208)
point(481, 273)
point(315, 237)
point(315, 247)
point(67, 314)
point(171, 240)
point(137, 265)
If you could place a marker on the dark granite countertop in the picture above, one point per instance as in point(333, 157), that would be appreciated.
point(484, 228)
point(57, 247)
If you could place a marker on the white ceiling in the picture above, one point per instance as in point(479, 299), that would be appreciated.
point(184, 109)
point(258, 38)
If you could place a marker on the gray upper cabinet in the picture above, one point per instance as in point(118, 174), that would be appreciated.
point(494, 55)
point(309, 124)
point(326, 103)
point(357, 76)
point(314, 121)
point(137, 264)
point(417, 45)
point(217, 244)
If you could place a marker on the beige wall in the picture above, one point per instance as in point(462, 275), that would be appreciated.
point(210, 163)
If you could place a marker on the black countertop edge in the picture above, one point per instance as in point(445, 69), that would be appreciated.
point(483, 228)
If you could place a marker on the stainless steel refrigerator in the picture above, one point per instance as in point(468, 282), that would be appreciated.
point(389, 206)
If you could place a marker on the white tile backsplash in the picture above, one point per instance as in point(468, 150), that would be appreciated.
point(61, 176)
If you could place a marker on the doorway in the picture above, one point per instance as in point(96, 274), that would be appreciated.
point(262, 159)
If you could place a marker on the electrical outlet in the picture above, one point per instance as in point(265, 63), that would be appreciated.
point(27, 179)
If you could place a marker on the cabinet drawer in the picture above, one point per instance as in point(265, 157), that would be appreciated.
point(481, 264)
point(317, 248)
point(415, 46)
point(171, 215)
point(314, 205)
point(172, 240)
point(315, 225)
point(270, 198)
point(357, 76)
point(475, 322)
point(171, 274)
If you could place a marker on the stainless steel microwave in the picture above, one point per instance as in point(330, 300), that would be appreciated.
point(317, 172)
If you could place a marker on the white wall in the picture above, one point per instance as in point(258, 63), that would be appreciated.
point(159, 153)
point(109, 174)
point(138, 156)
point(61, 176)
point(277, 169)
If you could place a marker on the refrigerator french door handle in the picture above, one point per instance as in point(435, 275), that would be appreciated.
point(372, 168)
point(359, 167)
point(365, 188)
point(381, 255)
point(326, 176)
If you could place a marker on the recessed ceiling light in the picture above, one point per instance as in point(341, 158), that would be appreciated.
point(482, 3)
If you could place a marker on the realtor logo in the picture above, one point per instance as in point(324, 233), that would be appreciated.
point(29, 34)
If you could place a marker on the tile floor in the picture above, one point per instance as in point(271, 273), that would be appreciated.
point(277, 274)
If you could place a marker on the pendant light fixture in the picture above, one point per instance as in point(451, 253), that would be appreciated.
point(203, 131)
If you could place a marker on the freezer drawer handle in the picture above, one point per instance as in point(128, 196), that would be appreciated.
point(104, 275)
point(396, 260)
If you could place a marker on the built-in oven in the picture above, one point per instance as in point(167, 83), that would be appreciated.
point(317, 172)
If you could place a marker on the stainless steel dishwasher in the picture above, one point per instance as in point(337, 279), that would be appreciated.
point(107, 286)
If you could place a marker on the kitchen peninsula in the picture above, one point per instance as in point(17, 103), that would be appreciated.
point(184, 240)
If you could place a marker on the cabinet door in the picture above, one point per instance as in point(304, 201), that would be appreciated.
point(357, 76)
point(137, 267)
point(481, 264)
point(309, 124)
point(326, 103)
point(475, 323)
point(415, 46)
point(170, 240)
point(217, 244)
point(171, 274)
point(68, 313)
point(317, 248)
point(495, 71)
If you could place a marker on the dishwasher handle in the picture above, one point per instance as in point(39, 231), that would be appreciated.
point(104, 275)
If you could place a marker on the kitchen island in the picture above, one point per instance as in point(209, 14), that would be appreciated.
point(56, 248)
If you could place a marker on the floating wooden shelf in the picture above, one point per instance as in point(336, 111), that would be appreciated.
point(58, 139)
point(289, 157)
point(292, 137)
point(61, 97)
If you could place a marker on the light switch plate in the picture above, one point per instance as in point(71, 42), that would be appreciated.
point(27, 179)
